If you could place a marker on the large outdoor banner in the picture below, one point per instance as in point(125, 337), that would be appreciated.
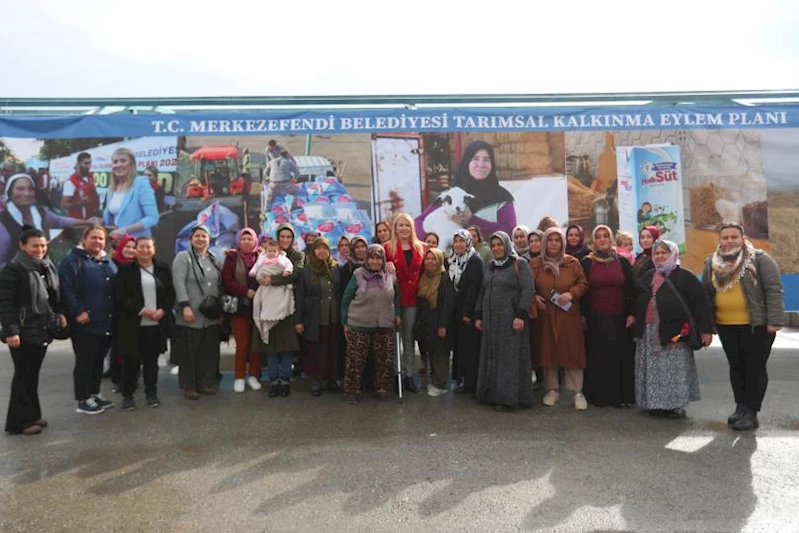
point(683, 169)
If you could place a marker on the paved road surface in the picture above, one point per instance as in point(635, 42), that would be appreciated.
point(247, 463)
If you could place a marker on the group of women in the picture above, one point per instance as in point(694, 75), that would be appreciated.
point(586, 319)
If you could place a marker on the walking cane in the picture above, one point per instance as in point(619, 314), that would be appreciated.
point(398, 342)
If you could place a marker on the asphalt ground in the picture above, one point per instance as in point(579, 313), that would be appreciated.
point(244, 462)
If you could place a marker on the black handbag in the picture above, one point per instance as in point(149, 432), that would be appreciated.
point(694, 339)
point(211, 305)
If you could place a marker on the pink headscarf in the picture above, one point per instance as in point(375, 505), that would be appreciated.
point(251, 255)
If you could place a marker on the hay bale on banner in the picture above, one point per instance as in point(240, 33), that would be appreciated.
point(581, 198)
point(534, 136)
point(536, 148)
point(536, 161)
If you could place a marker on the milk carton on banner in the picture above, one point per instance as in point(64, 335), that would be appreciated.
point(650, 191)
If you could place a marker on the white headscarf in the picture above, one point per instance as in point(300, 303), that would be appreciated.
point(457, 263)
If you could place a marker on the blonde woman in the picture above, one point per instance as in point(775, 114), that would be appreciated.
point(406, 252)
point(130, 206)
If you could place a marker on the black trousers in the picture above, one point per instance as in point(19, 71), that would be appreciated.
point(90, 353)
point(23, 406)
point(148, 340)
point(747, 351)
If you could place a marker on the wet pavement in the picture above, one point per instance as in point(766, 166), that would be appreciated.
point(244, 462)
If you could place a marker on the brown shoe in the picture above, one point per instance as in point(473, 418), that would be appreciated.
point(191, 394)
point(42, 423)
point(32, 430)
point(207, 390)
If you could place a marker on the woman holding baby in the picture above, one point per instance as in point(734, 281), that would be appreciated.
point(282, 338)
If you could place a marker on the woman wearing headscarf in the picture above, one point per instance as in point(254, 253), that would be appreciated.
point(466, 273)
point(21, 210)
point(520, 243)
point(665, 370)
point(492, 206)
point(357, 258)
point(344, 247)
point(744, 287)
point(196, 275)
point(370, 312)
point(433, 330)
point(125, 253)
point(559, 341)
point(643, 261)
point(235, 280)
point(283, 340)
point(575, 242)
point(480, 246)
point(534, 241)
point(317, 317)
point(505, 375)
point(609, 310)
point(29, 299)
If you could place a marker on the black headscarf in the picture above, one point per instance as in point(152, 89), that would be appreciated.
point(487, 191)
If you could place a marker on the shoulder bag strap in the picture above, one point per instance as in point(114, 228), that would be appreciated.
point(682, 303)
point(192, 260)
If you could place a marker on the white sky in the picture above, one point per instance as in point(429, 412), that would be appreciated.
point(94, 48)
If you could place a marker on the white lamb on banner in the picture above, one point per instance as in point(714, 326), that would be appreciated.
point(453, 201)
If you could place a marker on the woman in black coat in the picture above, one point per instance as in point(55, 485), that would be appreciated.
point(434, 311)
point(317, 317)
point(466, 273)
point(29, 299)
point(665, 370)
point(145, 297)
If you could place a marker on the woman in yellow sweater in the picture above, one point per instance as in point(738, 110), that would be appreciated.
point(744, 287)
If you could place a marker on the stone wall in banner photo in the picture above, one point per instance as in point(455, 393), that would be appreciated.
point(723, 178)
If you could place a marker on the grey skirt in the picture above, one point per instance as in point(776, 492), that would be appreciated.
point(665, 376)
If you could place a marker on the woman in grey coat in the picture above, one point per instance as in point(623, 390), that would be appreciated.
point(505, 376)
point(196, 275)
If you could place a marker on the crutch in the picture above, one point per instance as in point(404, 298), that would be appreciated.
point(398, 342)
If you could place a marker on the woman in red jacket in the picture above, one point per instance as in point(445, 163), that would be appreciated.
point(238, 263)
point(406, 252)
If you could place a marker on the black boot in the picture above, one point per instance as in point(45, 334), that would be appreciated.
point(747, 421)
point(410, 386)
point(285, 389)
point(733, 418)
point(274, 388)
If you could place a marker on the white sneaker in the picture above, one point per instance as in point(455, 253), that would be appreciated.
point(238, 385)
point(175, 370)
point(432, 390)
point(580, 403)
point(253, 382)
point(551, 398)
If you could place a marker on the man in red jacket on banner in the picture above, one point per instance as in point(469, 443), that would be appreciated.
point(80, 197)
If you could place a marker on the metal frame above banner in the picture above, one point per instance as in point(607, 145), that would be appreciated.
point(170, 105)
